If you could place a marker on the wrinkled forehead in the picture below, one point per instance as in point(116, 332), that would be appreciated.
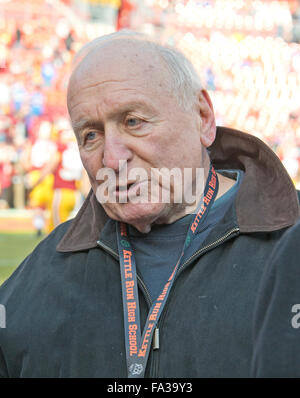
point(120, 59)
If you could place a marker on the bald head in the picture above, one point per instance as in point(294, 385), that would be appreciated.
point(123, 52)
point(120, 59)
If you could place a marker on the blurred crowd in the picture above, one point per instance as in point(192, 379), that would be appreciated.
point(37, 146)
point(247, 54)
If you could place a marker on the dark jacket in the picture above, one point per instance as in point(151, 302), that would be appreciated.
point(64, 302)
point(277, 312)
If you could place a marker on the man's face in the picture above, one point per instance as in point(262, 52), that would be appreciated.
point(121, 109)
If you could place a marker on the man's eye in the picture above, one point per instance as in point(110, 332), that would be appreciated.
point(132, 122)
point(91, 135)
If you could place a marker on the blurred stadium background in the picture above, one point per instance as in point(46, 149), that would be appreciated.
point(247, 54)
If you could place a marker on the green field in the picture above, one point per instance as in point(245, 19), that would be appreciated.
point(14, 247)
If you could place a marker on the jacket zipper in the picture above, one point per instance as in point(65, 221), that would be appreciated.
point(233, 232)
point(140, 281)
point(217, 242)
point(181, 268)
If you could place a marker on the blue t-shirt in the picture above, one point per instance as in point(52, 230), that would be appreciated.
point(157, 252)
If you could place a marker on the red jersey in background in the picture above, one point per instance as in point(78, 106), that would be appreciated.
point(69, 168)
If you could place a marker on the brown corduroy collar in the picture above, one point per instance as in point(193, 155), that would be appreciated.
point(266, 201)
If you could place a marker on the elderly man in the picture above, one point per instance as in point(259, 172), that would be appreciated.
point(149, 287)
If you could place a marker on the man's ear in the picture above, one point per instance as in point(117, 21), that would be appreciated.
point(208, 122)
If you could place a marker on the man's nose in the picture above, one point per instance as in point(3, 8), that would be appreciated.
point(115, 149)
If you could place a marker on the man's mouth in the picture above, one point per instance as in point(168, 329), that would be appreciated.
point(125, 188)
point(131, 190)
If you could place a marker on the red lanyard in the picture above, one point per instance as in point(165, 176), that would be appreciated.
point(138, 344)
